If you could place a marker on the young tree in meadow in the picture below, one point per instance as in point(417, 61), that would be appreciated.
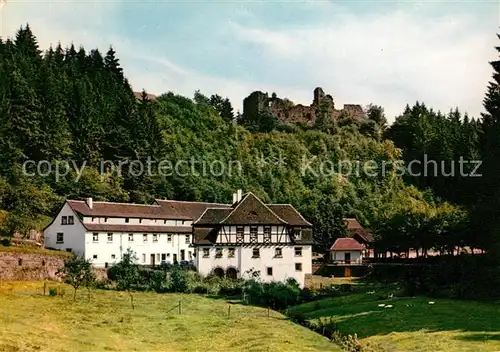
point(127, 274)
point(77, 272)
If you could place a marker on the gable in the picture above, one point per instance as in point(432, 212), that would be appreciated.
point(252, 211)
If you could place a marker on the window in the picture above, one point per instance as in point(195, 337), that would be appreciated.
point(163, 256)
point(126, 220)
point(105, 219)
point(188, 239)
point(71, 220)
point(144, 257)
point(60, 237)
point(297, 234)
point(169, 238)
point(113, 256)
point(278, 253)
point(95, 237)
point(267, 234)
point(155, 237)
point(218, 253)
point(131, 237)
point(270, 271)
point(298, 251)
point(255, 253)
point(231, 252)
point(298, 266)
point(140, 221)
point(94, 256)
point(145, 237)
point(253, 234)
point(110, 237)
point(206, 252)
point(64, 220)
point(69, 250)
point(239, 230)
point(93, 219)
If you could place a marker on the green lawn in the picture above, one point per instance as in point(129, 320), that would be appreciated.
point(30, 321)
point(412, 324)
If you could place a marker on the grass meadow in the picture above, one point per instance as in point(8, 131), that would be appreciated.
point(412, 324)
point(30, 321)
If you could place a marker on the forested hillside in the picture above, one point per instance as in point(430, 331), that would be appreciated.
point(73, 105)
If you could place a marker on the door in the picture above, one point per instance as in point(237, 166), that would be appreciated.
point(347, 258)
point(175, 258)
point(347, 271)
point(182, 254)
point(153, 260)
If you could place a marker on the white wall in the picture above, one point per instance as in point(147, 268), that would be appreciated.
point(356, 256)
point(105, 250)
point(282, 268)
point(135, 221)
point(73, 235)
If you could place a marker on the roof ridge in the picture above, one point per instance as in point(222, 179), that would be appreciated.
point(245, 197)
point(189, 201)
point(120, 203)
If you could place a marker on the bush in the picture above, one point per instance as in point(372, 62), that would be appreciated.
point(52, 292)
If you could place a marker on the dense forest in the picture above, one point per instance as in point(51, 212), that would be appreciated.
point(74, 105)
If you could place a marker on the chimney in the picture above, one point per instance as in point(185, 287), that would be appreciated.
point(235, 198)
point(90, 203)
point(239, 195)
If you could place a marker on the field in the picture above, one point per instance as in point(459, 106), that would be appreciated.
point(412, 324)
point(30, 321)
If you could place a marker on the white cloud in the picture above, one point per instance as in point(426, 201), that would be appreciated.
point(391, 59)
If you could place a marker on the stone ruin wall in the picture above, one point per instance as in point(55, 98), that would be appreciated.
point(287, 112)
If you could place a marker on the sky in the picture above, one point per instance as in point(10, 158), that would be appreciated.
point(389, 53)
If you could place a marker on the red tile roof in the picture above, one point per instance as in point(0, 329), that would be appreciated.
point(343, 244)
point(354, 228)
point(109, 209)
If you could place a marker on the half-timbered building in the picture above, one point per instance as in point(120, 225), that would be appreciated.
point(250, 236)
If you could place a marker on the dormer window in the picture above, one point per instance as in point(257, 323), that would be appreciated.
point(297, 235)
point(126, 220)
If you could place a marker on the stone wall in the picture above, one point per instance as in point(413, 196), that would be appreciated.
point(287, 112)
point(18, 266)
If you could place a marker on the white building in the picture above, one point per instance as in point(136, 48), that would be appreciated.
point(347, 251)
point(272, 239)
point(225, 239)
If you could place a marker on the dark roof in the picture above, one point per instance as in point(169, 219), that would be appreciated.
point(191, 210)
point(109, 209)
point(213, 216)
point(344, 244)
point(137, 228)
point(251, 210)
point(354, 228)
point(204, 235)
point(288, 213)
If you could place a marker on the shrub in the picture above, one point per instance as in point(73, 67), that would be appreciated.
point(52, 292)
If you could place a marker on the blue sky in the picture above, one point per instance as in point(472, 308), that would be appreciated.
point(386, 52)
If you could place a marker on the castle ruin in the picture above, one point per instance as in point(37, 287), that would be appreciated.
point(289, 113)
